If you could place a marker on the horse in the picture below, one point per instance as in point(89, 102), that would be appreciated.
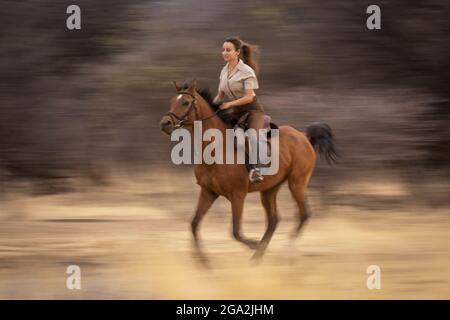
point(297, 157)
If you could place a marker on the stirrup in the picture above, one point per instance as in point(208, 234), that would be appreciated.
point(255, 175)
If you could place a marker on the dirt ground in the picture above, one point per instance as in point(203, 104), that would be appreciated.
point(131, 240)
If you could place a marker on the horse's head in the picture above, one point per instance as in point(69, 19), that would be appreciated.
point(182, 111)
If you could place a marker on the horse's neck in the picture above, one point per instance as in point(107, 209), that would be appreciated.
point(211, 121)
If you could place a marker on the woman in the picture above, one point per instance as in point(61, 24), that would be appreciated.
point(236, 90)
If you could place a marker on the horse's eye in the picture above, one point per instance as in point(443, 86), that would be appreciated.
point(185, 103)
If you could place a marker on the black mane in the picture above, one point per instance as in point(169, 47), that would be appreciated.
point(226, 115)
point(206, 94)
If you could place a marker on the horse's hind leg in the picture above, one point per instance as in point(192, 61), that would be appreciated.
point(268, 199)
point(297, 186)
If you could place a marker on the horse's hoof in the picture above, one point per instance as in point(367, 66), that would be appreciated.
point(257, 256)
point(202, 260)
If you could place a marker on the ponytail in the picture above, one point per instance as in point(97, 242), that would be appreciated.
point(248, 55)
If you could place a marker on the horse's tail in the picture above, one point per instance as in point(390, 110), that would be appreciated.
point(321, 137)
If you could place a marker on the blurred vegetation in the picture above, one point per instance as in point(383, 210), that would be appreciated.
point(85, 103)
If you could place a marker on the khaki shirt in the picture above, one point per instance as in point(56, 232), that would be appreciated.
point(242, 78)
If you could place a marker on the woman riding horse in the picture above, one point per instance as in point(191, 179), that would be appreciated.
point(236, 91)
point(297, 152)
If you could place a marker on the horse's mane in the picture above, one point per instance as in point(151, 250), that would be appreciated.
point(225, 115)
point(206, 94)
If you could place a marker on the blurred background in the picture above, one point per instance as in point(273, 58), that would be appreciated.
point(86, 176)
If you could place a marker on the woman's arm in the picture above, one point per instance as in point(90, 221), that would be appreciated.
point(219, 96)
point(247, 98)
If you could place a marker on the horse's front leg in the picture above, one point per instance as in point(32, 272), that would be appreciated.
point(205, 201)
point(237, 208)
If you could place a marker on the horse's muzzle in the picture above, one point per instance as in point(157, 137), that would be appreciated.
point(166, 125)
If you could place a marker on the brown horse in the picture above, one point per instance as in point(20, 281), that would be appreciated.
point(297, 158)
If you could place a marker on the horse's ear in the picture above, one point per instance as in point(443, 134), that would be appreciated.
point(193, 86)
point(177, 87)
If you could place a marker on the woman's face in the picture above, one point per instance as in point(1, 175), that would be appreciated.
point(229, 53)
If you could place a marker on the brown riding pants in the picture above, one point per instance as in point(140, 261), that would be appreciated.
point(256, 114)
point(255, 120)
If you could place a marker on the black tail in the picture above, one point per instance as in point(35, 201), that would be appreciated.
point(321, 137)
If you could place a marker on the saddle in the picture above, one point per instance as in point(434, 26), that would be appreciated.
point(241, 122)
point(268, 124)
point(230, 118)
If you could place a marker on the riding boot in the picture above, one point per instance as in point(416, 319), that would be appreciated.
point(255, 175)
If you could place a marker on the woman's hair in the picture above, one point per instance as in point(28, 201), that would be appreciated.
point(247, 51)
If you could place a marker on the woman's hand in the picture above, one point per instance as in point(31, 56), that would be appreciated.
point(248, 98)
point(217, 100)
point(225, 105)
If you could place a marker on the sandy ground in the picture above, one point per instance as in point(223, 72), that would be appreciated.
point(132, 241)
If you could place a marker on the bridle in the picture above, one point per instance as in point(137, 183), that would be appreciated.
point(193, 106)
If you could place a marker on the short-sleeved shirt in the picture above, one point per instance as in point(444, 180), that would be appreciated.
point(242, 78)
